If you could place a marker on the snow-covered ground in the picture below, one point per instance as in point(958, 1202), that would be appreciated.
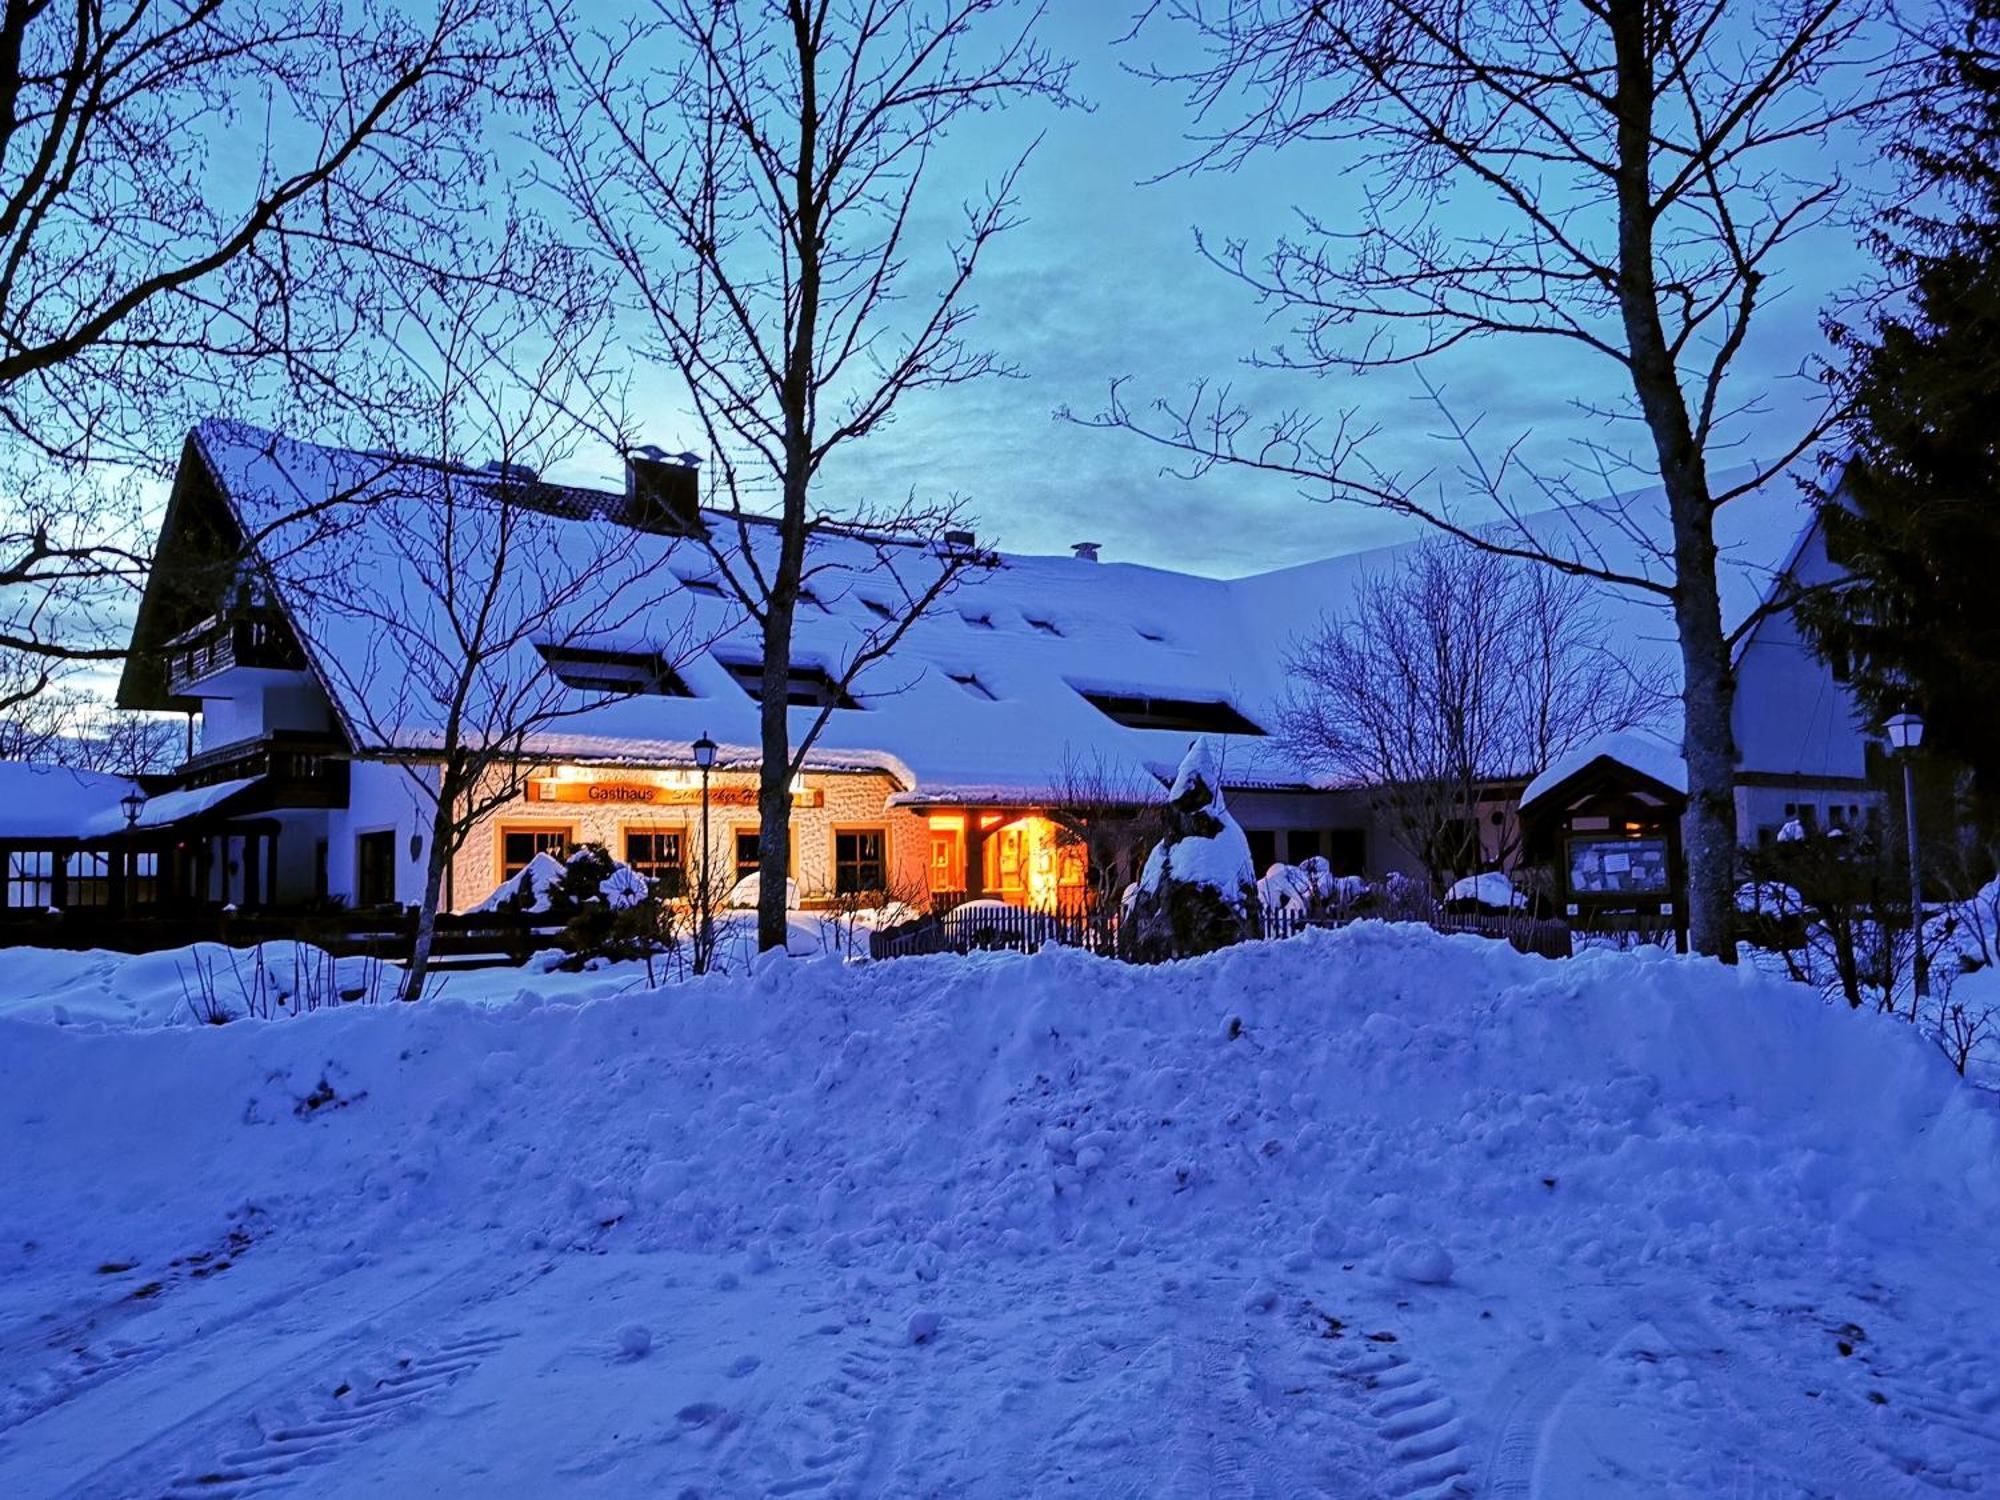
point(1373, 1212)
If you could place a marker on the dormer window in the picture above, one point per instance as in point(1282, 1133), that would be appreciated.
point(624, 673)
point(971, 683)
point(1046, 627)
point(699, 584)
point(1190, 715)
point(977, 619)
point(808, 685)
point(877, 608)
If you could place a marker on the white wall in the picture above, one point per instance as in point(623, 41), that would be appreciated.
point(380, 798)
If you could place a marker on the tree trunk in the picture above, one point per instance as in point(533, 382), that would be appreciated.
point(774, 781)
point(1708, 743)
point(437, 857)
point(1708, 831)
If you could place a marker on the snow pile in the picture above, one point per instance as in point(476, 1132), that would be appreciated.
point(1490, 889)
point(743, 895)
point(532, 890)
point(1212, 850)
point(912, 1112)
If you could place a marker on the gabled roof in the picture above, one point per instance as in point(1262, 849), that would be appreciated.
point(1633, 752)
point(991, 693)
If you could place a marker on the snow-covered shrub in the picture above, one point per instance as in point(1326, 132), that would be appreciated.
point(1198, 890)
point(1488, 891)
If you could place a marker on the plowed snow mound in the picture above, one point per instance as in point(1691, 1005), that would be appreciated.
point(1346, 1096)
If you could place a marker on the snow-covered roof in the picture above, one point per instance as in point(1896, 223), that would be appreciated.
point(1634, 749)
point(990, 694)
point(39, 802)
point(166, 809)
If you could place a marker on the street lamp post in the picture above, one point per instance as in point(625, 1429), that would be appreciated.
point(704, 759)
point(132, 804)
point(1906, 732)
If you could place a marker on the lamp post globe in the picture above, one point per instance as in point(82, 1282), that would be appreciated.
point(132, 804)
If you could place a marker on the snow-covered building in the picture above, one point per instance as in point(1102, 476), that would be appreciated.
point(290, 610)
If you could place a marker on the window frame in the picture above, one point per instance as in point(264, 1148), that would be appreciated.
point(678, 832)
point(363, 840)
point(537, 828)
point(835, 865)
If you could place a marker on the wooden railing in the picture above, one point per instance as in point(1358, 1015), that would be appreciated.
point(252, 638)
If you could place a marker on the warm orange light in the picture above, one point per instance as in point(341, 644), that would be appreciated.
point(989, 820)
point(948, 822)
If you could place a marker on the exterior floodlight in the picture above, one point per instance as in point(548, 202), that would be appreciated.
point(1905, 730)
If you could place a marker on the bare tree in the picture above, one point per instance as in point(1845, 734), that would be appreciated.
point(465, 612)
point(1454, 669)
point(61, 723)
point(192, 194)
point(1616, 178)
point(1111, 819)
point(758, 174)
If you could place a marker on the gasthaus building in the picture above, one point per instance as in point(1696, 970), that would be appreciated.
point(292, 616)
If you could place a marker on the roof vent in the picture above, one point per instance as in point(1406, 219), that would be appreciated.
point(663, 492)
point(1085, 551)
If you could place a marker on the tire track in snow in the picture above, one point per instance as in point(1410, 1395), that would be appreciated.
point(1418, 1421)
point(300, 1438)
point(270, 1400)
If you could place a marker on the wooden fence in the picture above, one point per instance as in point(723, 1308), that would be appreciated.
point(1024, 929)
point(463, 940)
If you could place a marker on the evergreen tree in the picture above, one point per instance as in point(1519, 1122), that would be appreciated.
point(1913, 512)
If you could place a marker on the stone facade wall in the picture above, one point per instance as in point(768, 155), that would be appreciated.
point(835, 801)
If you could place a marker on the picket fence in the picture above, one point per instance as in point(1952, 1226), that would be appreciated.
point(1023, 929)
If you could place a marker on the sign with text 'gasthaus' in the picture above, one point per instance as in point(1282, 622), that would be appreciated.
point(646, 794)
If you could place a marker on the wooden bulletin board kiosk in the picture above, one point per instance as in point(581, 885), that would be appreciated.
point(1610, 830)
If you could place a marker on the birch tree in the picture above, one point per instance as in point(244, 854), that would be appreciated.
point(1622, 179)
point(765, 177)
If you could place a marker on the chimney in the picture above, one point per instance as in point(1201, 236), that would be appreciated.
point(1085, 551)
point(663, 492)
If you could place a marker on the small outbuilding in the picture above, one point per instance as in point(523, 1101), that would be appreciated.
point(1606, 819)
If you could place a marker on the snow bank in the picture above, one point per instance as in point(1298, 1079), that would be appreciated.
point(1611, 1110)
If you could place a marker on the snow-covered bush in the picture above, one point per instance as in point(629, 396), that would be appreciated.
point(1199, 889)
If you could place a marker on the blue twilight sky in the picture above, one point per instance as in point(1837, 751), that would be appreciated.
point(1103, 279)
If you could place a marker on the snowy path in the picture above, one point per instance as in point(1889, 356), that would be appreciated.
point(420, 1373)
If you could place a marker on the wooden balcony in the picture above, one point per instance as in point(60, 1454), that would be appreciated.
point(255, 638)
point(298, 769)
